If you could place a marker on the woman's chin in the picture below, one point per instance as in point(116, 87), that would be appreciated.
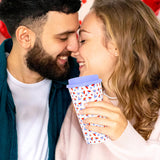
point(85, 74)
point(81, 75)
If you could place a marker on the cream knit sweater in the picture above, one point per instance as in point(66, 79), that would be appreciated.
point(130, 146)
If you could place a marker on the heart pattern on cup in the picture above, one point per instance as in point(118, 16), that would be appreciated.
point(80, 96)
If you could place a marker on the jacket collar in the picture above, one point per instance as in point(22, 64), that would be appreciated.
point(4, 47)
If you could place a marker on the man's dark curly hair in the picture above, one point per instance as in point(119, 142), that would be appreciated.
point(14, 12)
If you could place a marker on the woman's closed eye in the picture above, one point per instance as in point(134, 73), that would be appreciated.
point(82, 41)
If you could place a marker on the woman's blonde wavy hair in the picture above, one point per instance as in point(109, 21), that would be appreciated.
point(136, 80)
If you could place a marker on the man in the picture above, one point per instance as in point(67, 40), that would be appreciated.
point(34, 68)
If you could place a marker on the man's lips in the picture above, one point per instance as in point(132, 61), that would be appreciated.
point(62, 60)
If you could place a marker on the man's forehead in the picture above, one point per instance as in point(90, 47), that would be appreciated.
point(68, 31)
point(62, 23)
point(62, 17)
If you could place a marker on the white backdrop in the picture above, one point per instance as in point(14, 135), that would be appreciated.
point(86, 4)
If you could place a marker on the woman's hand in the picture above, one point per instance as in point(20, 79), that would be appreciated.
point(112, 119)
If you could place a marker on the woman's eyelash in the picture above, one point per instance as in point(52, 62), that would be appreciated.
point(82, 41)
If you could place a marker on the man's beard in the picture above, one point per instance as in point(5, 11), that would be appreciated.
point(40, 61)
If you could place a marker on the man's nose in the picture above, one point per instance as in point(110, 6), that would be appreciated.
point(75, 54)
point(73, 44)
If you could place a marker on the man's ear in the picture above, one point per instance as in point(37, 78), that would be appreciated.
point(25, 37)
point(112, 48)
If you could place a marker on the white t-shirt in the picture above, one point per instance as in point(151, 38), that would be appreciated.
point(32, 112)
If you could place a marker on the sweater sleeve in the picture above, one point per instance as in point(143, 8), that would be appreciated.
point(132, 146)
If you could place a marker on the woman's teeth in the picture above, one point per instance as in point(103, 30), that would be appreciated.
point(81, 64)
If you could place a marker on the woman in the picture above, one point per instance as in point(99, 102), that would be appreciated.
point(119, 41)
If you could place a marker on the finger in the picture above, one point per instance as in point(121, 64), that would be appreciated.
point(100, 111)
point(102, 130)
point(113, 131)
point(98, 121)
point(102, 104)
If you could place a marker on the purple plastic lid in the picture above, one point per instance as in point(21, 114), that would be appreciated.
point(83, 81)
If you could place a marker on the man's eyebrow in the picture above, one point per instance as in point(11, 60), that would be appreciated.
point(67, 32)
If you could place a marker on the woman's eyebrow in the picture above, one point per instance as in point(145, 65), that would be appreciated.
point(83, 30)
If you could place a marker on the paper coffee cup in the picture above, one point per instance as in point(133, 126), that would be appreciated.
point(82, 90)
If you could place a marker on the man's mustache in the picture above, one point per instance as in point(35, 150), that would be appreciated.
point(65, 53)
